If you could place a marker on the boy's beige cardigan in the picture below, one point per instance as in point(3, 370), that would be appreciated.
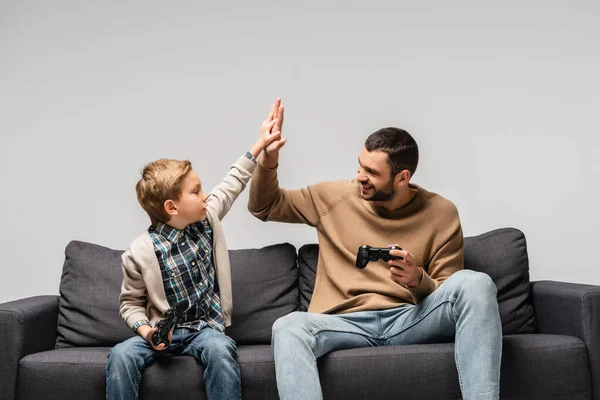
point(142, 292)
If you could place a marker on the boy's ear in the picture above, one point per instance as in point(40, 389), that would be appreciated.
point(170, 207)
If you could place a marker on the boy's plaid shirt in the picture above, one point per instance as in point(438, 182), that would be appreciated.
point(188, 272)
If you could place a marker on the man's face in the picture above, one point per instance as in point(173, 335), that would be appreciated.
point(192, 203)
point(374, 176)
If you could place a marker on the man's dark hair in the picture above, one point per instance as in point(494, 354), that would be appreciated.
point(402, 149)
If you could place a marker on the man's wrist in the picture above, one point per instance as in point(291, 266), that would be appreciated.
point(268, 160)
point(412, 284)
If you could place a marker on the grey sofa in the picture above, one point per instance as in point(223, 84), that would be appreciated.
point(55, 347)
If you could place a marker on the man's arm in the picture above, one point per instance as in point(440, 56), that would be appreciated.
point(269, 202)
point(447, 259)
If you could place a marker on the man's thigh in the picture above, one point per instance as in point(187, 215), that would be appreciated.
point(327, 332)
point(433, 320)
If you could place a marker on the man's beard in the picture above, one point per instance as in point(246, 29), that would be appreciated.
point(385, 193)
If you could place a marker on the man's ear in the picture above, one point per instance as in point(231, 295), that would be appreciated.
point(170, 207)
point(402, 177)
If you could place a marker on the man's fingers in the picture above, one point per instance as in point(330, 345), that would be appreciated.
point(271, 113)
point(275, 135)
point(281, 143)
point(280, 115)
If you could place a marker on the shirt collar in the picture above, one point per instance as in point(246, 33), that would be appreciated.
point(171, 234)
point(174, 235)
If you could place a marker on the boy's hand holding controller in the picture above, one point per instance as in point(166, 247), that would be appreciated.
point(146, 332)
point(405, 271)
point(270, 132)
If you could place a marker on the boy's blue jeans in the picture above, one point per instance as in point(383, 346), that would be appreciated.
point(215, 350)
point(464, 308)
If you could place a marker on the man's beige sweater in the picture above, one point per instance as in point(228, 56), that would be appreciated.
point(428, 227)
point(143, 293)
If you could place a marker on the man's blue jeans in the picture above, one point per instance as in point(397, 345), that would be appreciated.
point(215, 350)
point(464, 308)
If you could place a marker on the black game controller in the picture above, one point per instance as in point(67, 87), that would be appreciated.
point(367, 254)
point(172, 317)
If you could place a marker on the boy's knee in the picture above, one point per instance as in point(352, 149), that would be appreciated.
point(118, 352)
point(221, 346)
point(128, 352)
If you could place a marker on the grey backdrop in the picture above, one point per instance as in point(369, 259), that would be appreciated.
point(502, 97)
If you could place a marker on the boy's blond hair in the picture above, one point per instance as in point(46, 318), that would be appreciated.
point(161, 181)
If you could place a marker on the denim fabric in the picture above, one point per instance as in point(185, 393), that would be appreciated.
point(463, 309)
point(215, 350)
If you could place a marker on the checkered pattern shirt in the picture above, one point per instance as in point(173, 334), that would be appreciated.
point(188, 272)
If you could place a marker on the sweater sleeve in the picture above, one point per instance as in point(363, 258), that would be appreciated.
point(447, 255)
point(268, 202)
point(133, 294)
point(221, 198)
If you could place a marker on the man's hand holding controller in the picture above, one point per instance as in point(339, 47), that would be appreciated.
point(404, 270)
point(403, 266)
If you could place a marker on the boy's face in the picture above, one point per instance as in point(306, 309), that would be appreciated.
point(191, 206)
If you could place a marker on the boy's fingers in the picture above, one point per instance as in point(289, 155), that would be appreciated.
point(274, 136)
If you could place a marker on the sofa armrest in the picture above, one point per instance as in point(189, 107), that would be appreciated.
point(571, 309)
point(27, 326)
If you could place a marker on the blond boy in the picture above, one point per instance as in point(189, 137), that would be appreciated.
point(180, 259)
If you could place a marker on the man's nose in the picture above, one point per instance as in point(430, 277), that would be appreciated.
point(360, 176)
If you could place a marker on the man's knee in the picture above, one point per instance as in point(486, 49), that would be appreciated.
point(477, 285)
point(290, 324)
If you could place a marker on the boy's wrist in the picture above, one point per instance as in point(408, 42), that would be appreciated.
point(257, 148)
point(143, 331)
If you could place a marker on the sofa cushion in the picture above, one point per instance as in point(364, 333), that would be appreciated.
point(502, 254)
point(533, 367)
point(308, 256)
point(88, 311)
point(265, 287)
point(79, 373)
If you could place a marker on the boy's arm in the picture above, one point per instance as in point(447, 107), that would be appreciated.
point(133, 294)
point(133, 301)
point(221, 198)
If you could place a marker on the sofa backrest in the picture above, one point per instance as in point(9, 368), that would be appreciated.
point(268, 283)
point(501, 253)
point(88, 309)
point(265, 287)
